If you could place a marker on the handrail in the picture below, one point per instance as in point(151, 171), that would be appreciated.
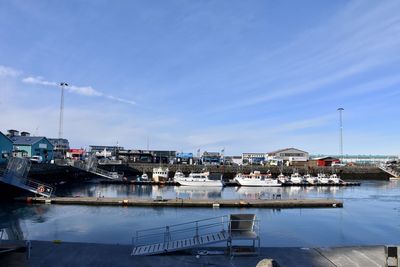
point(173, 232)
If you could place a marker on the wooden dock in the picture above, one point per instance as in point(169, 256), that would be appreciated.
point(193, 203)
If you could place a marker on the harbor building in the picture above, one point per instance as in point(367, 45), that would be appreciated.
point(184, 158)
point(289, 156)
point(254, 158)
point(132, 155)
point(105, 151)
point(61, 146)
point(234, 160)
point(323, 161)
point(6, 147)
point(28, 146)
point(362, 159)
point(212, 158)
point(76, 153)
point(163, 156)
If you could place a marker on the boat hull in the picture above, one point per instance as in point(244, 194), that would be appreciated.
point(257, 183)
point(193, 182)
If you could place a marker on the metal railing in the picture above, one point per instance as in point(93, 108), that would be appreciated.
point(255, 226)
point(180, 231)
point(16, 174)
point(92, 167)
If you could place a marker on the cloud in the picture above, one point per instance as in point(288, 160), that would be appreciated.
point(7, 71)
point(38, 80)
point(359, 39)
point(80, 90)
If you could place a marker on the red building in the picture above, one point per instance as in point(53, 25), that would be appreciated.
point(76, 154)
point(326, 161)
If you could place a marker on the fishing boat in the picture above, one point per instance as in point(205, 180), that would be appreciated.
point(334, 179)
point(296, 178)
point(144, 177)
point(310, 179)
point(160, 174)
point(256, 179)
point(283, 178)
point(322, 179)
point(196, 179)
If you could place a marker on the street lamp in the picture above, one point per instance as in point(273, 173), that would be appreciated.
point(341, 132)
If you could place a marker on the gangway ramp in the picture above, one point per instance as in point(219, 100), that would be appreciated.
point(91, 166)
point(180, 236)
point(16, 175)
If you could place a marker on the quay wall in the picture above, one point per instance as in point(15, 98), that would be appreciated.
point(346, 173)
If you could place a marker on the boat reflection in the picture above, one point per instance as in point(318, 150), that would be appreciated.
point(198, 192)
point(259, 192)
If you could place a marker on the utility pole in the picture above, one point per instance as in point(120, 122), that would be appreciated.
point(341, 132)
point(60, 126)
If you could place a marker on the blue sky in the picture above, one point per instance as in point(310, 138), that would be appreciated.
point(250, 76)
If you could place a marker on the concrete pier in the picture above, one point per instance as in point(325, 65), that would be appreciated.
point(62, 254)
point(179, 202)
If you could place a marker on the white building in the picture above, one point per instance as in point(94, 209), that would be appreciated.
point(254, 158)
point(288, 155)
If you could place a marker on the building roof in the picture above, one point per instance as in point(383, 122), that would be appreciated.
point(326, 158)
point(26, 140)
point(5, 136)
point(280, 150)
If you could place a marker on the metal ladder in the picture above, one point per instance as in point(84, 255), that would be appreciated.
point(180, 236)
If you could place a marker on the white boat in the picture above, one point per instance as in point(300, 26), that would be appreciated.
point(144, 177)
point(196, 179)
point(296, 178)
point(256, 179)
point(310, 179)
point(283, 178)
point(334, 179)
point(322, 179)
point(160, 174)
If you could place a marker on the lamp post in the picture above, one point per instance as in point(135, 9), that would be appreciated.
point(341, 132)
point(60, 126)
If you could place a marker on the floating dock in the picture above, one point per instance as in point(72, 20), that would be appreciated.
point(193, 203)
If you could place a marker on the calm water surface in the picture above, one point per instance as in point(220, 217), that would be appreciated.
point(371, 215)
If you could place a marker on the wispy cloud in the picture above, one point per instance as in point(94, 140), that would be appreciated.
point(7, 71)
point(80, 90)
point(361, 38)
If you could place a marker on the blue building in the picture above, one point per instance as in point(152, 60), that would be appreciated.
point(6, 147)
point(185, 158)
point(29, 146)
point(213, 158)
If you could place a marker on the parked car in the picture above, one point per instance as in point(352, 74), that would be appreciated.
point(36, 159)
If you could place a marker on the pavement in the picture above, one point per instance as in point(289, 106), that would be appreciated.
point(63, 254)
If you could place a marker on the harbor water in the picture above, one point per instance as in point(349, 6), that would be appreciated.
point(370, 216)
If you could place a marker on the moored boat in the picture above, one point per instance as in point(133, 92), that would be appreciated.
point(322, 179)
point(256, 179)
point(334, 179)
point(296, 178)
point(196, 179)
point(160, 174)
point(310, 179)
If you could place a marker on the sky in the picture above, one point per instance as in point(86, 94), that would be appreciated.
point(243, 76)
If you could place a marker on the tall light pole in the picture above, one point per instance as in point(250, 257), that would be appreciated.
point(60, 126)
point(341, 132)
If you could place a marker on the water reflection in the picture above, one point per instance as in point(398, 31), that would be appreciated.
point(370, 215)
point(170, 192)
point(198, 192)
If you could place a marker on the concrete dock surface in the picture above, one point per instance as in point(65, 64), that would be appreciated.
point(63, 254)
